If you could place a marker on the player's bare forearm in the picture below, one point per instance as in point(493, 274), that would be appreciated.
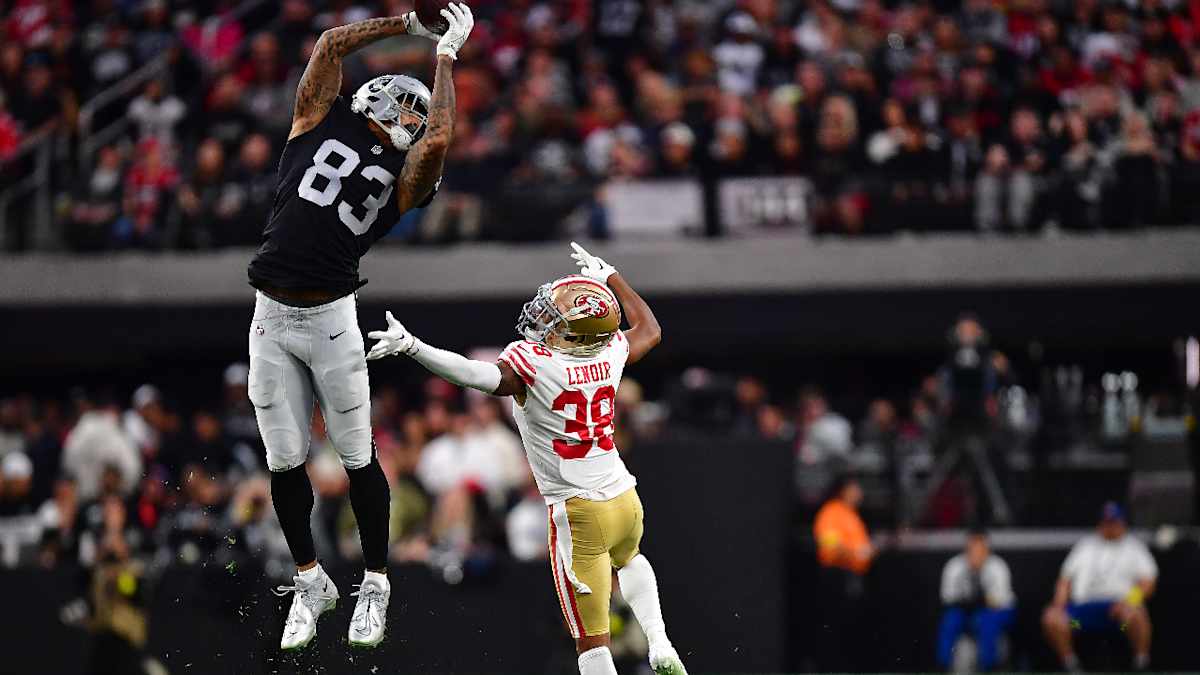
point(322, 78)
point(423, 166)
point(644, 332)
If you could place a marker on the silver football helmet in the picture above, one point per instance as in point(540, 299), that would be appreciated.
point(398, 103)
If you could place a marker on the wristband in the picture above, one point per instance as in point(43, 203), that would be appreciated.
point(1135, 597)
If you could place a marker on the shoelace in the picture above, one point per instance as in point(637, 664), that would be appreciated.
point(362, 612)
point(302, 592)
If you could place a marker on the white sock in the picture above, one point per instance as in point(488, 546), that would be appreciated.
point(311, 573)
point(639, 587)
point(597, 661)
point(378, 577)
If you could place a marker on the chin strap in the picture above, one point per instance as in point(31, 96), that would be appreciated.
point(401, 139)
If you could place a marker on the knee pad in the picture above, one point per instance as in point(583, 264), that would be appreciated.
point(284, 450)
point(354, 445)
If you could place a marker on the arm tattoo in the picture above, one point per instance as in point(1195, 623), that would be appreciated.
point(423, 166)
point(322, 78)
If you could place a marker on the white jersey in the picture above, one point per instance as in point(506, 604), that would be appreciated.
point(566, 423)
point(1103, 569)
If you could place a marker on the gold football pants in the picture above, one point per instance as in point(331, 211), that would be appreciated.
point(588, 540)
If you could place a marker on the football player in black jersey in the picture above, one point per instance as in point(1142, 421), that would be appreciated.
point(347, 173)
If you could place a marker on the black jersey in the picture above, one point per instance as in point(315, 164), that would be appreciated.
point(333, 200)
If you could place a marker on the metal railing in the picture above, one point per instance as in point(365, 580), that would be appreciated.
point(89, 140)
point(40, 147)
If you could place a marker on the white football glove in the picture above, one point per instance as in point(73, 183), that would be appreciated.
point(461, 23)
point(415, 27)
point(395, 340)
point(590, 266)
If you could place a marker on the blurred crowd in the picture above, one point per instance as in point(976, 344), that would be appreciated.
point(91, 478)
point(995, 115)
point(162, 476)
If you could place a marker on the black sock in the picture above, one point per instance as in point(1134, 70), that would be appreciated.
point(292, 495)
point(371, 498)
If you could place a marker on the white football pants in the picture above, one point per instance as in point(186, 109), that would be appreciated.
point(297, 353)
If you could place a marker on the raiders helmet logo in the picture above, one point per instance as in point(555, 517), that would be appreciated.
point(595, 307)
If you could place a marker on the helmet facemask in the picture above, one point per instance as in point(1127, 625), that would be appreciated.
point(398, 104)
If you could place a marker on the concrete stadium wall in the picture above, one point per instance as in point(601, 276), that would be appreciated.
point(689, 268)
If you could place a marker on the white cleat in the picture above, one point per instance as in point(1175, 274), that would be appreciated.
point(370, 614)
point(310, 600)
point(665, 661)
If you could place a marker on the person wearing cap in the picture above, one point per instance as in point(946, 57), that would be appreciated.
point(1103, 587)
point(142, 420)
point(676, 151)
point(978, 597)
point(16, 484)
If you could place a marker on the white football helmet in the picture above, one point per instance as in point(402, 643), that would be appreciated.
point(398, 103)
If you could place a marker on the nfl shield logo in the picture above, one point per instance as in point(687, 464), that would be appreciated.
point(377, 150)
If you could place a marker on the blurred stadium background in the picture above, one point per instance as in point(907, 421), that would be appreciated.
point(820, 199)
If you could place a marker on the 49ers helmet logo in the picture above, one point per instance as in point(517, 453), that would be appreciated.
point(596, 307)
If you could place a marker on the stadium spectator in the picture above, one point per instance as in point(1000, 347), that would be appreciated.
point(215, 39)
point(1103, 586)
point(224, 117)
point(39, 103)
point(16, 496)
point(111, 59)
point(211, 204)
point(141, 422)
point(157, 114)
point(1007, 190)
point(118, 597)
point(739, 56)
point(10, 132)
point(20, 529)
point(826, 434)
point(147, 184)
point(98, 456)
point(977, 598)
point(254, 177)
point(12, 438)
point(269, 90)
point(527, 527)
point(824, 443)
point(97, 204)
point(237, 414)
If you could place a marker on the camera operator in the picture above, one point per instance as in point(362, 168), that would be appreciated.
point(969, 379)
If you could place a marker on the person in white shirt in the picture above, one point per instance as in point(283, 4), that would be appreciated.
point(977, 595)
point(96, 443)
point(1103, 586)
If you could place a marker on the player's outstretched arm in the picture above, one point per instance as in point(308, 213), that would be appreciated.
point(322, 78)
point(490, 378)
point(644, 333)
point(423, 166)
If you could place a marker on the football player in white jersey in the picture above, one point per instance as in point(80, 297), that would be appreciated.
point(563, 376)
